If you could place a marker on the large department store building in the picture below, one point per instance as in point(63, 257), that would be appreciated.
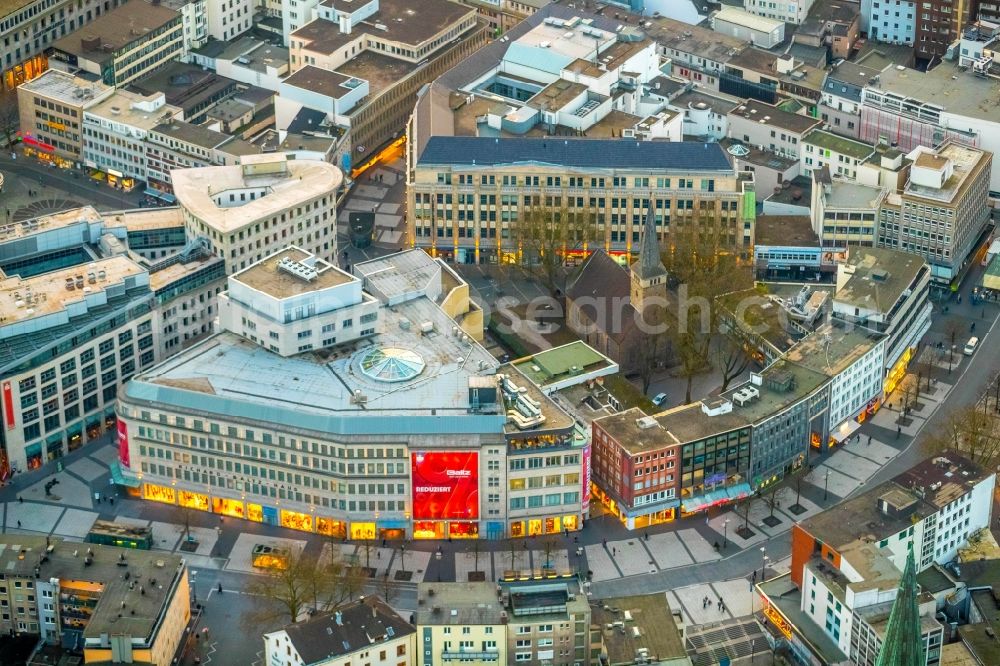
point(354, 405)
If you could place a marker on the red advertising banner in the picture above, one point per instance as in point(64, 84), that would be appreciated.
point(445, 485)
point(123, 456)
point(586, 476)
point(8, 406)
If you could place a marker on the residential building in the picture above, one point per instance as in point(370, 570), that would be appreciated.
point(113, 604)
point(696, 52)
point(385, 45)
point(532, 621)
point(791, 12)
point(853, 358)
point(942, 212)
point(50, 110)
point(940, 25)
point(456, 446)
point(886, 291)
point(787, 247)
point(977, 45)
point(122, 45)
point(363, 631)
point(840, 106)
point(890, 21)
point(458, 209)
point(754, 28)
point(835, 26)
point(639, 629)
point(769, 76)
point(502, 15)
point(770, 128)
point(29, 27)
point(841, 586)
point(245, 209)
point(706, 115)
point(841, 155)
point(85, 315)
point(115, 131)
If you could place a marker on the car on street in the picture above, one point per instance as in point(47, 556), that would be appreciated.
point(970, 346)
point(659, 399)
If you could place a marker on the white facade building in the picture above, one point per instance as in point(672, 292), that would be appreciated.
point(889, 21)
point(789, 11)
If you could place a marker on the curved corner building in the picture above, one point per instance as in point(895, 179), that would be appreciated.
point(355, 405)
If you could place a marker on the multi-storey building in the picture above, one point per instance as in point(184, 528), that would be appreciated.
point(467, 193)
point(115, 131)
point(942, 212)
point(842, 156)
point(890, 21)
point(770, 128)
point(122, 45)
point(939, 25)
point(365, 408)
point(535, 622)
point(886, 291)
point(789, 12)
point(502, 15)
point(133, 604)
point(840, 105)
point(366, 631)
point(82, 315)
point(177, 144)
point(384, 45)
point(50, 110)
point(245, 210)
point(846, 561)
point(845, 213)
point(29, 27)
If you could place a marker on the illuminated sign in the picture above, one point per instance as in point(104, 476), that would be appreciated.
point(586, 477)
point(123, 456)
point(445, 485)
point(8, 406)
point(41, 145)
point(778, 620)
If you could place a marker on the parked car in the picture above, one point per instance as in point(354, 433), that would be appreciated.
point(659, 399)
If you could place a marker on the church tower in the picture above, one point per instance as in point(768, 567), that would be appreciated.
point(648, 275)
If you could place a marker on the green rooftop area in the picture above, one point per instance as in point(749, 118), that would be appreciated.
point(559, 363)
point(839, 144)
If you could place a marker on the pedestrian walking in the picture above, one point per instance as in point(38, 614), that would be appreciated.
point(614, 551)
point(19, 523)
point(754, 575)
point(869, 440)
point(604, 540)
point(220, 592)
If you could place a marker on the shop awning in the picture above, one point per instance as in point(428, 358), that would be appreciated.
point(702, 502)
point(739, 491)
point(123, 477)
point(844, 431)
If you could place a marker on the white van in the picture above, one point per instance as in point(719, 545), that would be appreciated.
point(970, 346)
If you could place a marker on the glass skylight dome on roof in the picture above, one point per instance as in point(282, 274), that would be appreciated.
point(391, 364)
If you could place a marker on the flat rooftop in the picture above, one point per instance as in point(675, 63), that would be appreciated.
point(965, 160)
point(783, 384)
point(266, 277)
point(694, 39)
point(755, 111)
point(685, 423)
point(787, 598)
point(408, 24)
point(559, 363)
point(844, 194)
point(833, 347)
point(652, 620)
point(839, 144)
point(740, 17)
point(117, 28)
point(195, 189)
point(197, 135)
point(556, 95)
point(880, 277)
point(143, 601)
point(785, 231)
point(146, 218)
point(119, 107)
point(14, 230)
point(322, 81)
point(719, 104)
point(379, 70)
point(767, 318)
point(458, 603)
point(44, 294)
point(947, 86)
point(59, 85)
point(176, 271)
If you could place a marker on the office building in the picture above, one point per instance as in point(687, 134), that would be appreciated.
point(247, 209)
point(940, 25)
point(113, 605)
point(942, 212)
point(82, 314)
point(365, 631)
point(791, 12)
point(843, 212)
point(503, 15)
point(50, 111)
point(847, 561)
point(176, 145)
point(467, 193)
point(886, 291)
point(770, 128)
point(531, 621)
point(365, 408)
point(115, 131)
point(29, 27)
point(122, 45)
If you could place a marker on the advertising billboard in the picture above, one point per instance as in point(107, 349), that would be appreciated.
point(445, 485)
point(586, 477)
point(8, 406)
point(123, 456)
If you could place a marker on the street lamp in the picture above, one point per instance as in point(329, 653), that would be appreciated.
point(763, 562)
point(826, 486)
point(725, 532)
point(753, 650)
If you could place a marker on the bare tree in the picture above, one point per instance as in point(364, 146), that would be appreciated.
point(952, 328)
point(548, 547)
point(770, 498)
point(730, 360)
point(544, 235)
point(367, 546)
point(972, 432)
point(305, 583)
point(9, 122)
point(651, 354)
point(745, 505)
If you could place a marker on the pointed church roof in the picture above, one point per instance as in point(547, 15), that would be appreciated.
point(649, 264)
point(902, 644)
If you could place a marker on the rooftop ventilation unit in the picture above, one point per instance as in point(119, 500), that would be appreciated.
point(298, 269)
